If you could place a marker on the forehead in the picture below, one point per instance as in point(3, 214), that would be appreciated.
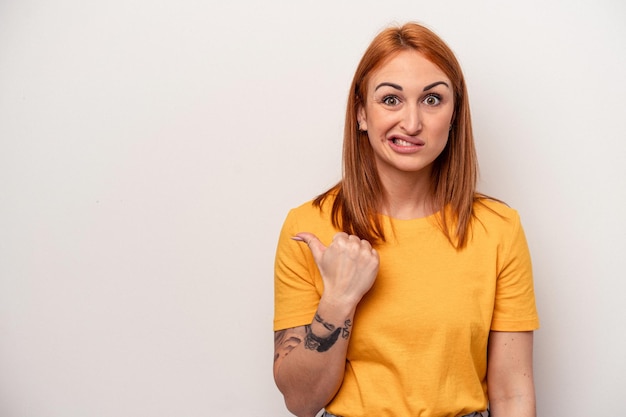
point(409, 67)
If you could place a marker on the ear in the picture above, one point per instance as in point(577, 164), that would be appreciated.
point(361, 118)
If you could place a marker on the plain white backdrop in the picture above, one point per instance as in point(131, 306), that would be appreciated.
point(150, 150)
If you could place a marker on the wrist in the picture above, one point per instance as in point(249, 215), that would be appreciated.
point(332, 321)
point(341, 306)
point(321, 335)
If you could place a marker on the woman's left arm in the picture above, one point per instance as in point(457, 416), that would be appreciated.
point(510, 382)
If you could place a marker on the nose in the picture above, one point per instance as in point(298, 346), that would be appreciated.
point(411, 121)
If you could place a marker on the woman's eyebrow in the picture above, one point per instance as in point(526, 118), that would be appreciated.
point(429, 86)
point(396, 86)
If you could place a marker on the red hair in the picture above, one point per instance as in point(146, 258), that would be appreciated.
point(455, 171)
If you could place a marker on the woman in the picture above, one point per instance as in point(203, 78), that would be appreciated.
point(401, 291)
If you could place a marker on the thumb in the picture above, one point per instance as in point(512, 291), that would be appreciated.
point(317, 247)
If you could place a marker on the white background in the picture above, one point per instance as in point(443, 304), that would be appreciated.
point(150, 150)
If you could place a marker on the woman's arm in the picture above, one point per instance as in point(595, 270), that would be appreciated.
point(309, 361)
point(510, 382)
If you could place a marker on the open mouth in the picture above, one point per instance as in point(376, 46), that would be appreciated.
point(402, 142)
point(406, 141)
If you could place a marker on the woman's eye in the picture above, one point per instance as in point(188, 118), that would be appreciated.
point(432, 100)
point(391, 100)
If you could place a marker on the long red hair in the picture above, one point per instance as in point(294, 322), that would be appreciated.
point(358, 195)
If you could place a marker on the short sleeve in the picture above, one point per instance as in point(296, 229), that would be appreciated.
point(295, 294)
point(515, 307)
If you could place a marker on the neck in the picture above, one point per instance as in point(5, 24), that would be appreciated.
point(407, 196)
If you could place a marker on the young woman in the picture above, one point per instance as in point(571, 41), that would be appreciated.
point(402, 291)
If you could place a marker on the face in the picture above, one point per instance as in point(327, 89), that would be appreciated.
point(407, 114)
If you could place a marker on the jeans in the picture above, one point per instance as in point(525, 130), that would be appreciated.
point(474, 414)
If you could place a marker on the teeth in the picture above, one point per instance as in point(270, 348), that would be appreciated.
point(402, 142)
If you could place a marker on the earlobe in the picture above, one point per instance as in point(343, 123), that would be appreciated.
point(361, 120)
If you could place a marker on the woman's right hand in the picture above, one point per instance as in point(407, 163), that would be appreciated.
point(348, 265)
point(309, 377)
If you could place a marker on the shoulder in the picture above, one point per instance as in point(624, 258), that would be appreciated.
point(488, 207)
point(312, 217)
point(496, 225)
point(311, 210)
point(494, 215)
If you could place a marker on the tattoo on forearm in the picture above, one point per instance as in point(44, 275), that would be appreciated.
point(329, 326)
point(285, 341)
point(345, 330)
point(322, 344)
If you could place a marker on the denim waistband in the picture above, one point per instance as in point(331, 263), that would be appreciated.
point(474, 414)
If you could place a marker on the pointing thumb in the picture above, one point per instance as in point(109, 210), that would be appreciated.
point(317, 247)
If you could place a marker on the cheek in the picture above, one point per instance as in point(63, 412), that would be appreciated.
point(443, 133)
point(440, 134)
point(378, 125)
point(375, 140)
point(441, 126)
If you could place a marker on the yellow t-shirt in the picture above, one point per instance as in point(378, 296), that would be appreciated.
point(419, 336)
